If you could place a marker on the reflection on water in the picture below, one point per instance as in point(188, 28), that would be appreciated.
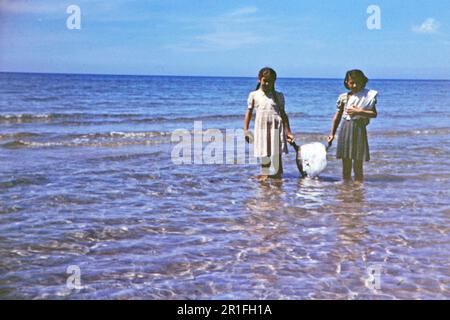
point(97, 189)
point(351, 213)
point(351, 194)
point(176, 232)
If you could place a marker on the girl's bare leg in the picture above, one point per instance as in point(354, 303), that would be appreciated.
point(347, 169)
point(265, 168)
point(279, 173)
point(279, 165)
point(265, 165)
point(358, 169)
point(266, 162)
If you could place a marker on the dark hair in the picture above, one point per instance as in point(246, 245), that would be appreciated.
point(266, 71)
point(356, 75)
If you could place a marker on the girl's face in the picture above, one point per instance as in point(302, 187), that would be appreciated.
point(354, 85)
point(267, 82)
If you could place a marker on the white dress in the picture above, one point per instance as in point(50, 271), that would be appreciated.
point(268, 123)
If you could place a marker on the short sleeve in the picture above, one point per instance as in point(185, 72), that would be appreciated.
point(250, 101)
point(340, 103)
point(374, 101)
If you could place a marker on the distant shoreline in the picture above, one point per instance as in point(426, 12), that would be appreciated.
point(203, 76)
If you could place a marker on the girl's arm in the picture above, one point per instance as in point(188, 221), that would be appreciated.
point(335, 124)
point(248, 117)
point(285, 118)
point(361, 112)
point(286, 124)
point(340, 106)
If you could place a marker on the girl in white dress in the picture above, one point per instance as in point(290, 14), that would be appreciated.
point(272, 130)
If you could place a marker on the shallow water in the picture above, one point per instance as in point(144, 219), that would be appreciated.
point(86, 179)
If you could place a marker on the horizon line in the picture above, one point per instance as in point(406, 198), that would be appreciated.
point(205, 76)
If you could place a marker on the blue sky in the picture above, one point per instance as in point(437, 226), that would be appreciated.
point(299, 38)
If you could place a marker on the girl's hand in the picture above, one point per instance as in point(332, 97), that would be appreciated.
point(330, 139)
point(353, 111)
point(248, 136)
point(290, 138)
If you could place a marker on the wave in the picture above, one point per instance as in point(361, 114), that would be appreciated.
point(431, 151)
point(113, 134)
point(102, 139)
point(39, 99)
point(83, 118)
point(89, 119)
point(119, 134)
point(15, 144)
point(27, 117)
point(115, 139)
point(19, 135)
point(127, 157)
point(403, 178)
point(119, 138)
point(420, 132)
point(23, 181)
point(32, 144)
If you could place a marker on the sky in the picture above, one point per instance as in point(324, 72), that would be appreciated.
point(298, 38)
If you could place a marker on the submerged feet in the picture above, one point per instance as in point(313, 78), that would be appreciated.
point(265, 177)
point(276, 176)
point(262, 177)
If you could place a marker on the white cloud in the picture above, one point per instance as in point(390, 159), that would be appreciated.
point(229, 31)
point(59, 7)
point(33, 7)
point(243, 11)
point(230, 40)
point(430, 25)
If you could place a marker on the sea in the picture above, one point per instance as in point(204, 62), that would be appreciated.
point(96, 204)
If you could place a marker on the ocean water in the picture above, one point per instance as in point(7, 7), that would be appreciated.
point(87, 183)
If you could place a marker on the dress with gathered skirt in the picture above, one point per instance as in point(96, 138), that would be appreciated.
point(269, 131)
point(352, 140)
